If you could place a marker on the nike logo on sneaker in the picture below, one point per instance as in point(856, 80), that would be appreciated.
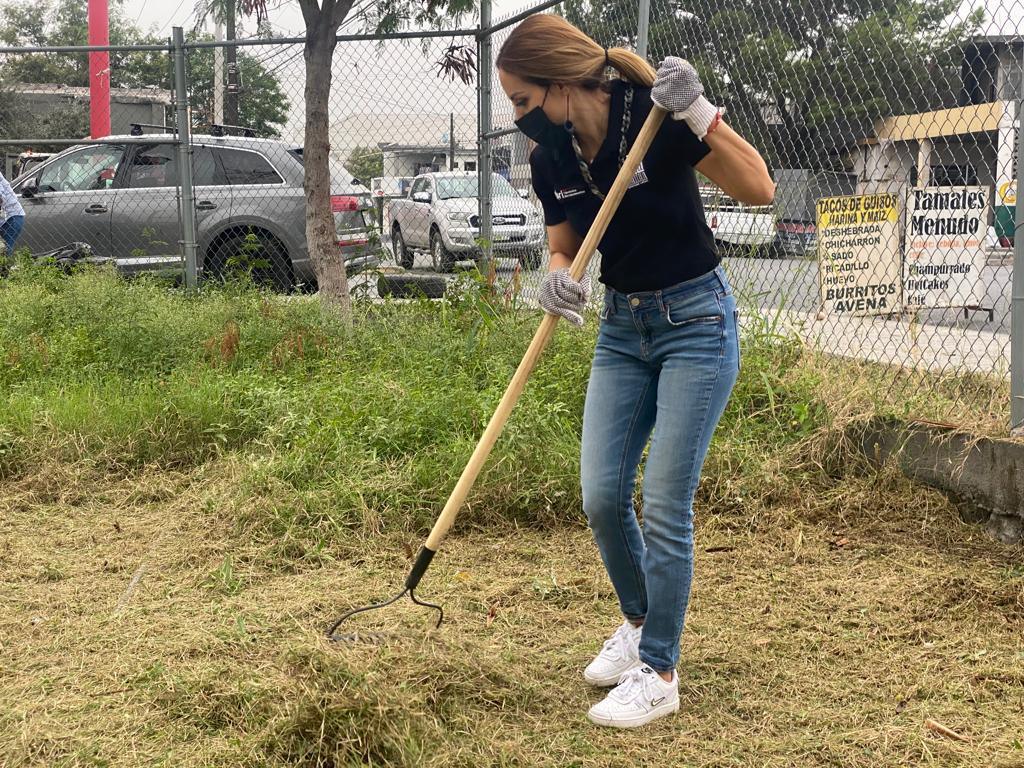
point(657, 701)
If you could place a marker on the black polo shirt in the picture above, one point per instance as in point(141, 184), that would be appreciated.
point(658, 236)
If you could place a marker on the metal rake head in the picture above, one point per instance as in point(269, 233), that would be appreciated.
point(377, 638)
point(411, 582)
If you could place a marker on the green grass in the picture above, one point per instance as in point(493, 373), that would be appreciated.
point(339, 429)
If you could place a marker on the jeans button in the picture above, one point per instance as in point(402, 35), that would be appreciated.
point(634, 302)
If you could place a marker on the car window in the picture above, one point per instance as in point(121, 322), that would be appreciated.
point(243, 167)
point(205, 169)
point(418, 185)
point(154, 165)
point(82, 170)
point(469, 186)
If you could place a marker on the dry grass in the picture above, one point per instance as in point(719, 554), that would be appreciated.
point(138, 629)
point(975, 402)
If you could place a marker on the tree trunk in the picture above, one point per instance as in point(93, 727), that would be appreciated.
point(321, 238)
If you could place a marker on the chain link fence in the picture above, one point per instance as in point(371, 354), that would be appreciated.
point(890, 128)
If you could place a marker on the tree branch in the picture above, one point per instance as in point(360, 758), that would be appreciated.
point(341, 10)
point(310, 13)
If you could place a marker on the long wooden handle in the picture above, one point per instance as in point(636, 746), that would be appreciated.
point(544, 332)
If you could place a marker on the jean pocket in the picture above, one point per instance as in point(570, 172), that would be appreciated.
point(694, 308)
point(689, 312)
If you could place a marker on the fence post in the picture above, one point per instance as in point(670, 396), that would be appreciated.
point(484, 62)
point(1017, 285)
point(643, 28)
point(183, 116)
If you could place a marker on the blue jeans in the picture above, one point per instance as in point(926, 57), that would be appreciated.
point(665, 361)
point(9, 231)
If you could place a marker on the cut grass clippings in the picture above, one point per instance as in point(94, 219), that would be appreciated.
point(193, 491)
point(828, 633)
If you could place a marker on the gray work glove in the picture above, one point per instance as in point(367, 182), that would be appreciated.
point(561, 295)
point(678, 89)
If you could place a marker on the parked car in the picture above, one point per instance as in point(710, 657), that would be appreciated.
point(121, 197)
point(797, 191)
point(439, 215)
point(26, 161)
point(739, 229)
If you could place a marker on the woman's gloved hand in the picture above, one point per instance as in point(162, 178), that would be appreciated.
point(561, 295)
point(678, 89)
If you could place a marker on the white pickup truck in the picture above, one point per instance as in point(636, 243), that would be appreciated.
point(440, 216)
point(739, 230)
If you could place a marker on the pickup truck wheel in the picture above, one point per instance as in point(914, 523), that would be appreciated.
point(403, 256)
point(531, 259)
point(444, 260)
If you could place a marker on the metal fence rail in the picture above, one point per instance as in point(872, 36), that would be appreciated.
point(892, 131)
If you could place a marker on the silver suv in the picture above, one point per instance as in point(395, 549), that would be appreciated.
point(121, 197)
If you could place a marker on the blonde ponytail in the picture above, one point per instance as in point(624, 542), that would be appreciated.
point(631, 66)
point(548, 49)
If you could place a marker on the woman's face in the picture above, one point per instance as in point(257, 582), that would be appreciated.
point(525, 96)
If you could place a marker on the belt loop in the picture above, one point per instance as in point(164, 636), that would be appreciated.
point(720, 274)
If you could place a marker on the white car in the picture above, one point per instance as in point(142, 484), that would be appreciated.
point(440, 216)
point(739, 230)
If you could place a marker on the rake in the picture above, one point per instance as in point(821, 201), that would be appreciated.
point(512, 392)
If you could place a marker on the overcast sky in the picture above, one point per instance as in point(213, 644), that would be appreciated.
point(284, 14)
point(400, 77)
point(1006, 16)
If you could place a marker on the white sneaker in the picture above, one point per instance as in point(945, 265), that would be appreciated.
point(621, 653)
point(640, 696)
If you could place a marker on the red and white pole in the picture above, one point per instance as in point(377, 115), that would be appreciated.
point(99, 69)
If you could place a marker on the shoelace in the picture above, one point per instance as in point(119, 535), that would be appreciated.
point(617, 642)
point(632, 682)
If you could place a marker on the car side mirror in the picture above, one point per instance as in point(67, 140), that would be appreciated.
point(29, 190)
point(421, 197)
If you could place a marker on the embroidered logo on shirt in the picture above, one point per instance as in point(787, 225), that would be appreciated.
point(640, 177)
point(565, 194)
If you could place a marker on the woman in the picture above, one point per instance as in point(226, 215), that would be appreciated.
point(667, 353)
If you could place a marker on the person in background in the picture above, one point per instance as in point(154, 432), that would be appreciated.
point(12, 216)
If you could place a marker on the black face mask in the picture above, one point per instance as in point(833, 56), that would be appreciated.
point(539, 127)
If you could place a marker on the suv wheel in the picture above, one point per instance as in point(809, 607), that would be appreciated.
point(444, 260)
point(403, 256)
point(261, 256)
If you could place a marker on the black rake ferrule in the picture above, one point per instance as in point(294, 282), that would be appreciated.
point(411, 582)
point(419, 568)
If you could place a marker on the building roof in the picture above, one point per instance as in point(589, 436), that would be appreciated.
point(420, 149)
point(1011, 40)
point(978, 118)
point(365, 129)
point(81, 93)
